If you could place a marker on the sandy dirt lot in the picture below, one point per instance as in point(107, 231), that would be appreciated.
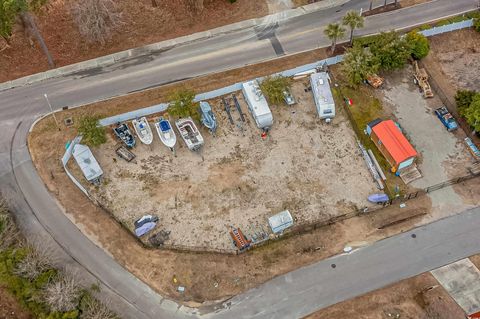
point(200, 272)
point(306, 166)
point(443, 154)
point(420, 297)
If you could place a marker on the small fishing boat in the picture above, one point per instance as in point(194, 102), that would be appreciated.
point(166, 133)
point(378, 198)
point(143, 130)
point(208, 118)
point(190, 133)
point(123, 132)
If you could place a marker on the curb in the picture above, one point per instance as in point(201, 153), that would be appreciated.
point(168, 44)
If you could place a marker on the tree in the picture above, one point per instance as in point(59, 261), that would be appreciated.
point(13, 10)
point(39, 259)
point(274, 86)
point(93, 134)
point(94, 309)
point(353, 20)
point(391, 50)
point(96, 19)
point(62, 293)
point(464, 98)
point(472, 113)
point(9, 11)
point(359, 63)
point(418, 44)
point(182, 104)
point(9, 233)
point(334, 31)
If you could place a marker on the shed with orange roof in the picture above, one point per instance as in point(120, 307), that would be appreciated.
point(393, 144)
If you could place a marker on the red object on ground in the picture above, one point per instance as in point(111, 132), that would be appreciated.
point(264, 135)
point(392, 139)
point(474, 315)
point(350, 102)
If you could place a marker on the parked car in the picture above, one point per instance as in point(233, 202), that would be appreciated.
point(446, 118)
point(288, 98)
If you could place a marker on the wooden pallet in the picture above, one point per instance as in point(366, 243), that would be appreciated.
point(410, 174)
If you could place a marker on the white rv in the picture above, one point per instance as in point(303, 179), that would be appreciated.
point(257, 105)
point(323, 95)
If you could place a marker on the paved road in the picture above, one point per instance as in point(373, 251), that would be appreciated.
point(40, 215)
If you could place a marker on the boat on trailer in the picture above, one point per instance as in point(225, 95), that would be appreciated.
point(123, 133)
point(143, 130)
point(190, 133)
point(166, 133)
point(208, 117)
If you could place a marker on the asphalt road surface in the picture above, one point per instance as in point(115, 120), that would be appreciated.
point(290, 296)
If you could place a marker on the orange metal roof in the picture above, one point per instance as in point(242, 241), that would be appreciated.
point(394, 141)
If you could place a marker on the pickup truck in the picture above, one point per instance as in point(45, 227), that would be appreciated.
point(446, 118)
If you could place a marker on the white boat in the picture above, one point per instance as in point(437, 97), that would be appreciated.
point(166, 133)
point(143, 130)
point(190, 133)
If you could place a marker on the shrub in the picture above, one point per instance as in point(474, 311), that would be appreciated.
point(391, 50)
point(476, 24)
point(463, 98)
point(358, 63)
point(274, 86)
point(93, 134)
point(472, 113)
point(418, 44)
point(182, 104)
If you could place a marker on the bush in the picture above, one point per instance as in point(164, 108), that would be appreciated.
point(472, 113)
point(93, 134)
point(274, 86)
point(391, 50)
point(476, 24)
point(182, 104)
point(358, 63)
point(463, 98)
point(418, 44)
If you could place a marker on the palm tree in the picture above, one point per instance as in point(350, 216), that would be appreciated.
point(353, 20)
point(333, 32)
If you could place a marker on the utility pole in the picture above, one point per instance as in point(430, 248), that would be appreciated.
point(51, 110)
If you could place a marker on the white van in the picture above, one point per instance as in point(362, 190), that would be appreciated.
point(257, 105)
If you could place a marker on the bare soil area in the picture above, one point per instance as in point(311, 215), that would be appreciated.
point(420, 297)
point(10, 308)
point(201, 272)
point(313, 169)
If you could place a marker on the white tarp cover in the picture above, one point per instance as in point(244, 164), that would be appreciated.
point(87, 162)
point(280, 221)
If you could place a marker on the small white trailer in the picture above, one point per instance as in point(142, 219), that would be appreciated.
point(257, 105)
point(322, 94)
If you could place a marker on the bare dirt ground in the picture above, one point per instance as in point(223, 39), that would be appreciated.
point(454, 65)
point(10, 308)
point(306, 166)
point(142, 24)
point(420, 297)
point(200, 272)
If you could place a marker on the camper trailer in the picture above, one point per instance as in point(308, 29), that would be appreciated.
point(323, 96)
point(257, 105)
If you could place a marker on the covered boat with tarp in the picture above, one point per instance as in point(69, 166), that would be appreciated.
point(208, 117)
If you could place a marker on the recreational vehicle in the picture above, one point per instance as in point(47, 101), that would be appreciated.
point(323, 96)
point(257, 105)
